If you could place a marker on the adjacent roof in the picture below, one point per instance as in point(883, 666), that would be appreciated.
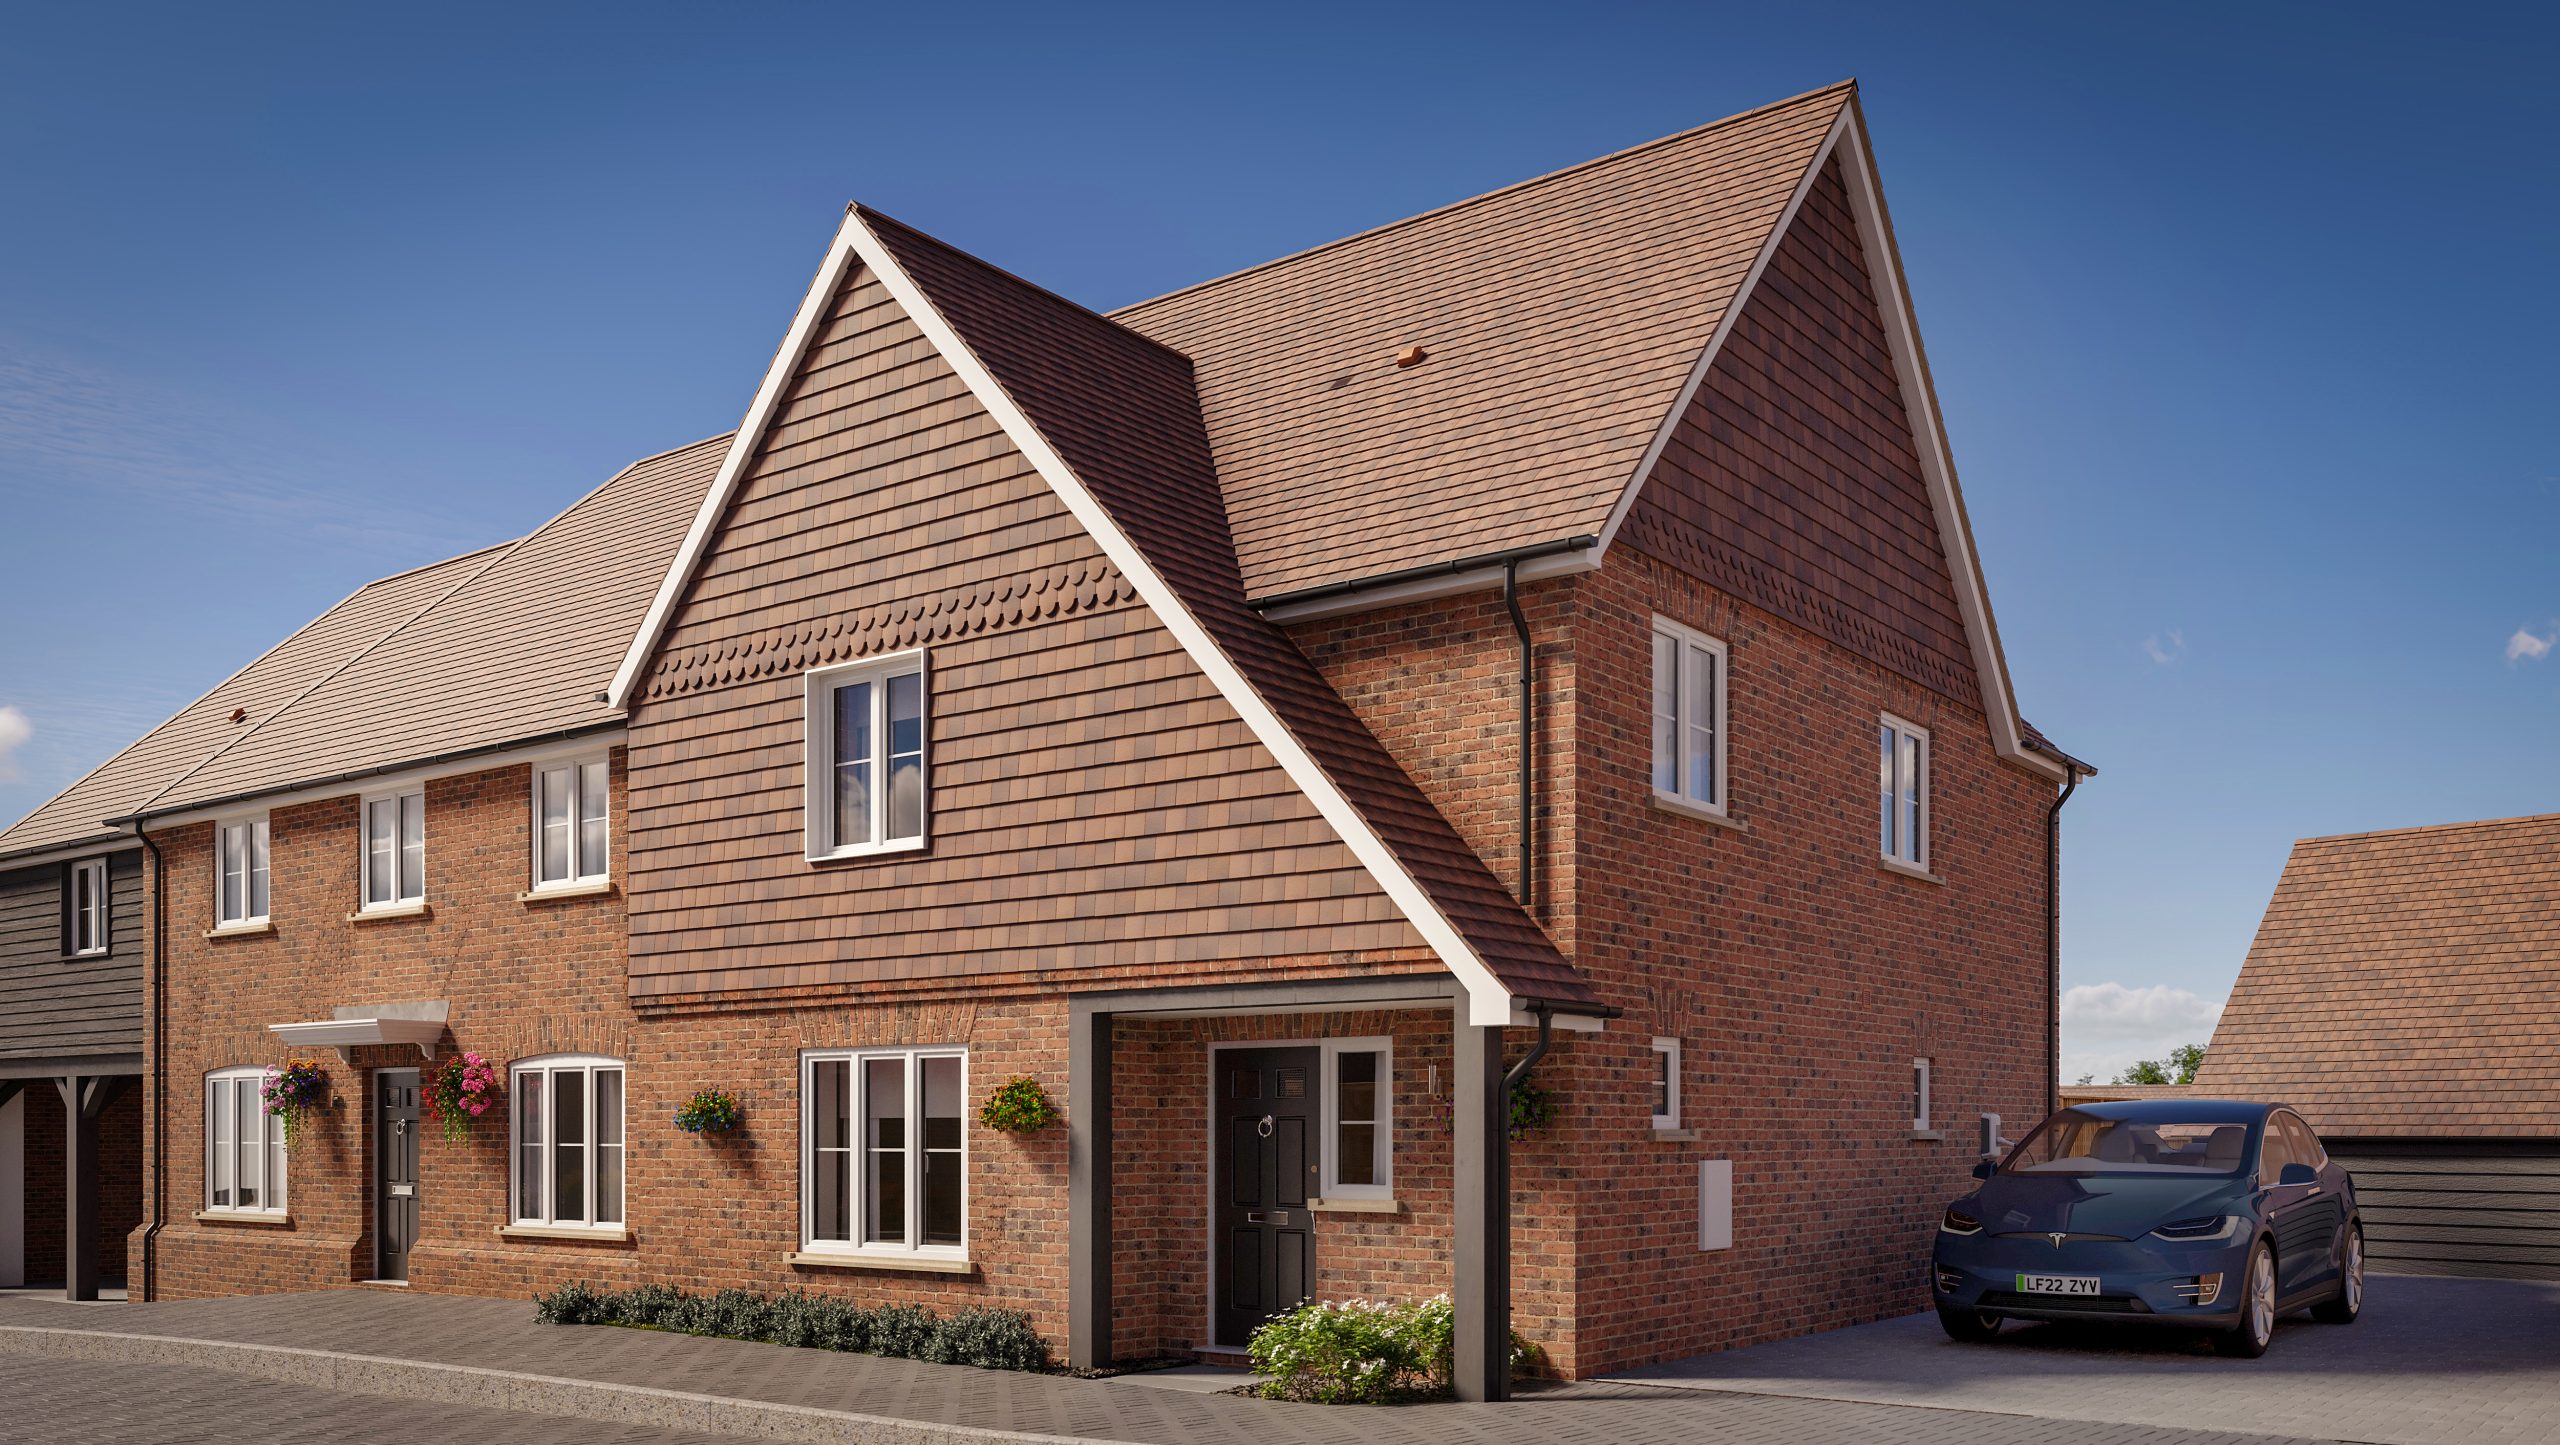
point(2406, 983)
point(76, 815)
point(1562, 319)
point(506, 644)
point(1121, 413)
point(2117, 1093)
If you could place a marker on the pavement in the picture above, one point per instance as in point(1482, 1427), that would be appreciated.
point(391, 1362)
point(2433, 1361)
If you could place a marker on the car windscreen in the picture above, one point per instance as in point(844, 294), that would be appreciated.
point(2072, 1142)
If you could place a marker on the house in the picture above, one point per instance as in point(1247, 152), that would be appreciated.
point(1538, 642)
point(2403, 992)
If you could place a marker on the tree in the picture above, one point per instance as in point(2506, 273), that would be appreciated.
point(2179, 1068)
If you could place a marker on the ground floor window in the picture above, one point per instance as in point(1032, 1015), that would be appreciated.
point(568, 1141)
point(1358, 1149)
point(884, 1156)
point(243, 1145)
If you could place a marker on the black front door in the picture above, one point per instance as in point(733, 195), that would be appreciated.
point(395, 1173)
point(1266, 1120)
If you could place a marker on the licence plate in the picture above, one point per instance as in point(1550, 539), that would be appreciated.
point(2057, 1284)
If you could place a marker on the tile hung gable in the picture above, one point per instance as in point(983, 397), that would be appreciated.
point(1793, 480)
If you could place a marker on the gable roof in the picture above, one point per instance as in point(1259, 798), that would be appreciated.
point(504, 645)
point(1562, 318)
point(75, 816)
point(2405, 983)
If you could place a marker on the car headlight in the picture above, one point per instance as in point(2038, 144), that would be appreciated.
point(1956, 1221)
point(2203, 1229)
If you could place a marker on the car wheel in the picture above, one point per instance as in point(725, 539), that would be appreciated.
point(2349, 1302)
point(2248, 1339)
point(1968, 1325)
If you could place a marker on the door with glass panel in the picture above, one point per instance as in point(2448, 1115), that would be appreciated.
point(396, 1116)
point(885, 1167)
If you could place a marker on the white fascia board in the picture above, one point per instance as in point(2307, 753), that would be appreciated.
point(1425, 589)
point(1489, 1003)
point(397, 779)
point(742, 450)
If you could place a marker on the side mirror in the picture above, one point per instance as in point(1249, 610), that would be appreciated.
point(2298, 1173)
point(1982, 1168)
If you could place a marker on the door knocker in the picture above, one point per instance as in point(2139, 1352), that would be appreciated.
point(1263, 1128)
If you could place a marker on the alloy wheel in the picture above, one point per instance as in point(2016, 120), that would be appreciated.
point(2262, 1296)
point(2355, 1270)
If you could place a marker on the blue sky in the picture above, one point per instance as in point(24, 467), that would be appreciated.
point(2241, 317)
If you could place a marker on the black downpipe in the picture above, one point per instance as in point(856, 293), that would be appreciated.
point(158, 1101)
point(2053, 940)
point(1528, 744)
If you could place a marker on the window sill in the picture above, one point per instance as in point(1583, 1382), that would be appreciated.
point(592, 888)
point(262, 928)
point(243, 1216)
point(1354, 1206)
point(1896, 865)
point(1674, 1136)
point(905, 1263)
point(390, 911)
point(1927, 1136)
point(867, 850)
point(568, 1233)
point(1686, 809)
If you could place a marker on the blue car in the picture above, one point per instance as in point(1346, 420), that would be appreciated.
point(2207, 1214)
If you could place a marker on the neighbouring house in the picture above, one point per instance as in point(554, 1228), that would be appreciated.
point(2118, 1093)
point(1540, 639)
point(2403, 992)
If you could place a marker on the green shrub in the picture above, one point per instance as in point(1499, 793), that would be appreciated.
point(993, 1339)
point(1359, 1352)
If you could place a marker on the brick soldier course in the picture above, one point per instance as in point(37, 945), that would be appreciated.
point(1227, 615)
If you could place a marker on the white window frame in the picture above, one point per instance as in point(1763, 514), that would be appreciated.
point(93, 919)
point(223, 1091)
point(857, 1084)
point(818, 786)
point(1667, 1048)
point(255, 873)
point(1383, 1145)
point(584, 871)
point(550, 1067)
point(1687, 644)
point(1921, 1085)
point(400, 802)
point(1892, 781)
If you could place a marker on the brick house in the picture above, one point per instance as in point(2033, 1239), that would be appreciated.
point(1540, 638)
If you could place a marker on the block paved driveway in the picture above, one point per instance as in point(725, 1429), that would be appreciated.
point(2432, 1360)
point(97, 1403)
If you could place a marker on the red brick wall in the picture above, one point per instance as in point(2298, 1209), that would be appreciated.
point(119, 1181)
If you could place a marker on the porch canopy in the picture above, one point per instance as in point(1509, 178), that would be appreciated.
point(1480, 1285)
point(360, 1025)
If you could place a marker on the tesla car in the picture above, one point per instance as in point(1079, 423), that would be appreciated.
point(2208, 1214)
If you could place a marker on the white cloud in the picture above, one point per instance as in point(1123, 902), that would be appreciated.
point(2167, 652)
point(14, 731)
point(2528, 646)
point(2106, 1026)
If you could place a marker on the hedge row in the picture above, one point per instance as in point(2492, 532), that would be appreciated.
point(991, 1339)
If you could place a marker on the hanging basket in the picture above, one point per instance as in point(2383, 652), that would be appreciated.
point(290, 1090)
point(710, 1112)
point(1018, 1106)
point(458, 1093)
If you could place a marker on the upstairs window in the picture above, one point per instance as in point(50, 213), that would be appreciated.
point(243, 1145)
point(1688, 717)
point(84, 908)
point(572, 841)
point(1666, 1083)
point(395, 850)
point(866, 784)
point(240, 864)
point(1902, 779)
